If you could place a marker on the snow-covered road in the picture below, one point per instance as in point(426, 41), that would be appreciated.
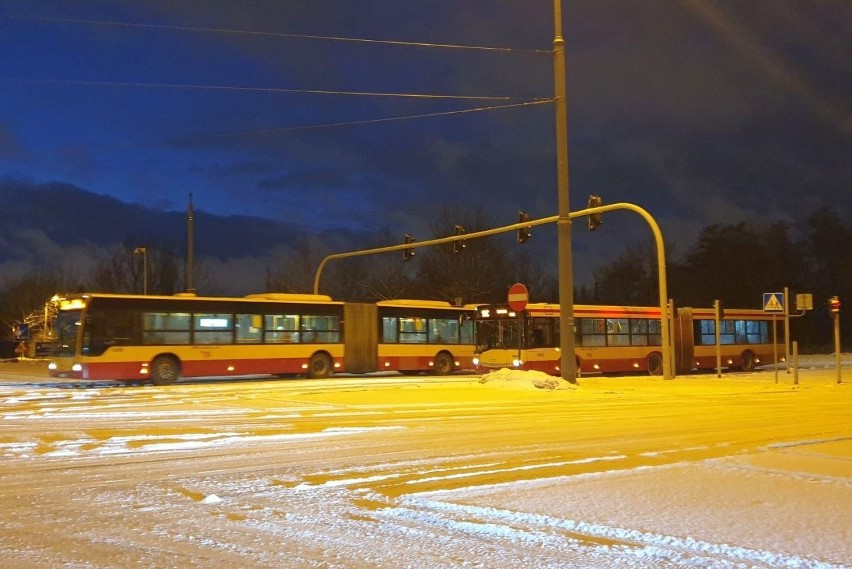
point(426, 472)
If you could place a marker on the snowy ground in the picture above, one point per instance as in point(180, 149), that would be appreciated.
point(506, 470)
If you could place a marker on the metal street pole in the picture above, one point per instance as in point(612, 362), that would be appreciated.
point(787, 328)
point(568, 363)
point(837, 346)
point(190, 247)
point(144, 252)
point(717, 305)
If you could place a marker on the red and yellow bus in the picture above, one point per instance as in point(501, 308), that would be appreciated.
point(747, 338)
point(409, 336)
point(619, 339)
point(165, 338)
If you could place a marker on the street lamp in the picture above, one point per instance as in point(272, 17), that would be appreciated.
point(144, 252)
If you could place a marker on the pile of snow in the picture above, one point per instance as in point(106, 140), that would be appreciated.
point(519, 379)
point(211, 499)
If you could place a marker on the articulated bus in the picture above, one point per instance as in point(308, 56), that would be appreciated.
point(619, 339)
point(409, 336)
point(165, 338)
point(748, 338)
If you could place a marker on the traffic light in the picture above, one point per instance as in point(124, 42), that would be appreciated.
point(595, 219)
point(407, 254)
point(524, 232)
point(459, 245)
point(834, 305)
point(720, 309)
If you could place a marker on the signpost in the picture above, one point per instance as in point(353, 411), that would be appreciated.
point(804, 302)
point(519, 296)
point(774, 302)
point(834, 307)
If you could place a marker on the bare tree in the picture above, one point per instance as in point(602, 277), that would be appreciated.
point(632, 279)
point(478, 273)
point(543, 285)
point(123, 271)
point(298, 267)
point(386, 275)
point(25, 296)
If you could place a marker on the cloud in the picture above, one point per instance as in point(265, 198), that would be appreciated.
point(28, 251)
point(9, 145)
point(696, 112)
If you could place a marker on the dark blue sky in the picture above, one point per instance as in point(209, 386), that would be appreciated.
point(700, 112)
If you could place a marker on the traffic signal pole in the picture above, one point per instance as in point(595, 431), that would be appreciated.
point(834, 308)
point(665, 327)
point(837, 360)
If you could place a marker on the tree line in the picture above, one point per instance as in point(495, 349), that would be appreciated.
point(734, 263)
point(737, 263)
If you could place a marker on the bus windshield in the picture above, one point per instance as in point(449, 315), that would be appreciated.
point(67, 324)
point(497, 334)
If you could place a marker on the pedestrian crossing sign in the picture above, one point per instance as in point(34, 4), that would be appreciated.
point(773, 302)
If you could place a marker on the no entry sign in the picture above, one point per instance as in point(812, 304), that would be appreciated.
point(518, 297)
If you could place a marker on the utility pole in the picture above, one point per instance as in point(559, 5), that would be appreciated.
point(568, 363)
point(190, 248)
point(144, 252)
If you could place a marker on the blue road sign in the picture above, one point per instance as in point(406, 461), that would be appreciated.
point(773, 302)
point(22, 331)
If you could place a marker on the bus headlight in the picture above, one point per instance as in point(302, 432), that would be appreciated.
point(516, 362)
point(77, 367)
point(52, 366)
point(476, 361)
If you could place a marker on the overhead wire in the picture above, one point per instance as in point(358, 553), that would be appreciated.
point(273, 34)
point(525, 103)
point(364, 121)
point(259, 89)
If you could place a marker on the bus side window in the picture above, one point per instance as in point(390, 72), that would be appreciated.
point(443, 331)
point(166, 327)
point(591, 332)
point(412, 331)
point(280, 328)
point(320, 329)
point(466, 332)
point(390, 329)
point(249, 328)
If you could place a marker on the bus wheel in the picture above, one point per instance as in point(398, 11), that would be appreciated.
point(748, 361)
point(655, 364)
point(164, 371)
point(320, 366)
point(444, 364)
